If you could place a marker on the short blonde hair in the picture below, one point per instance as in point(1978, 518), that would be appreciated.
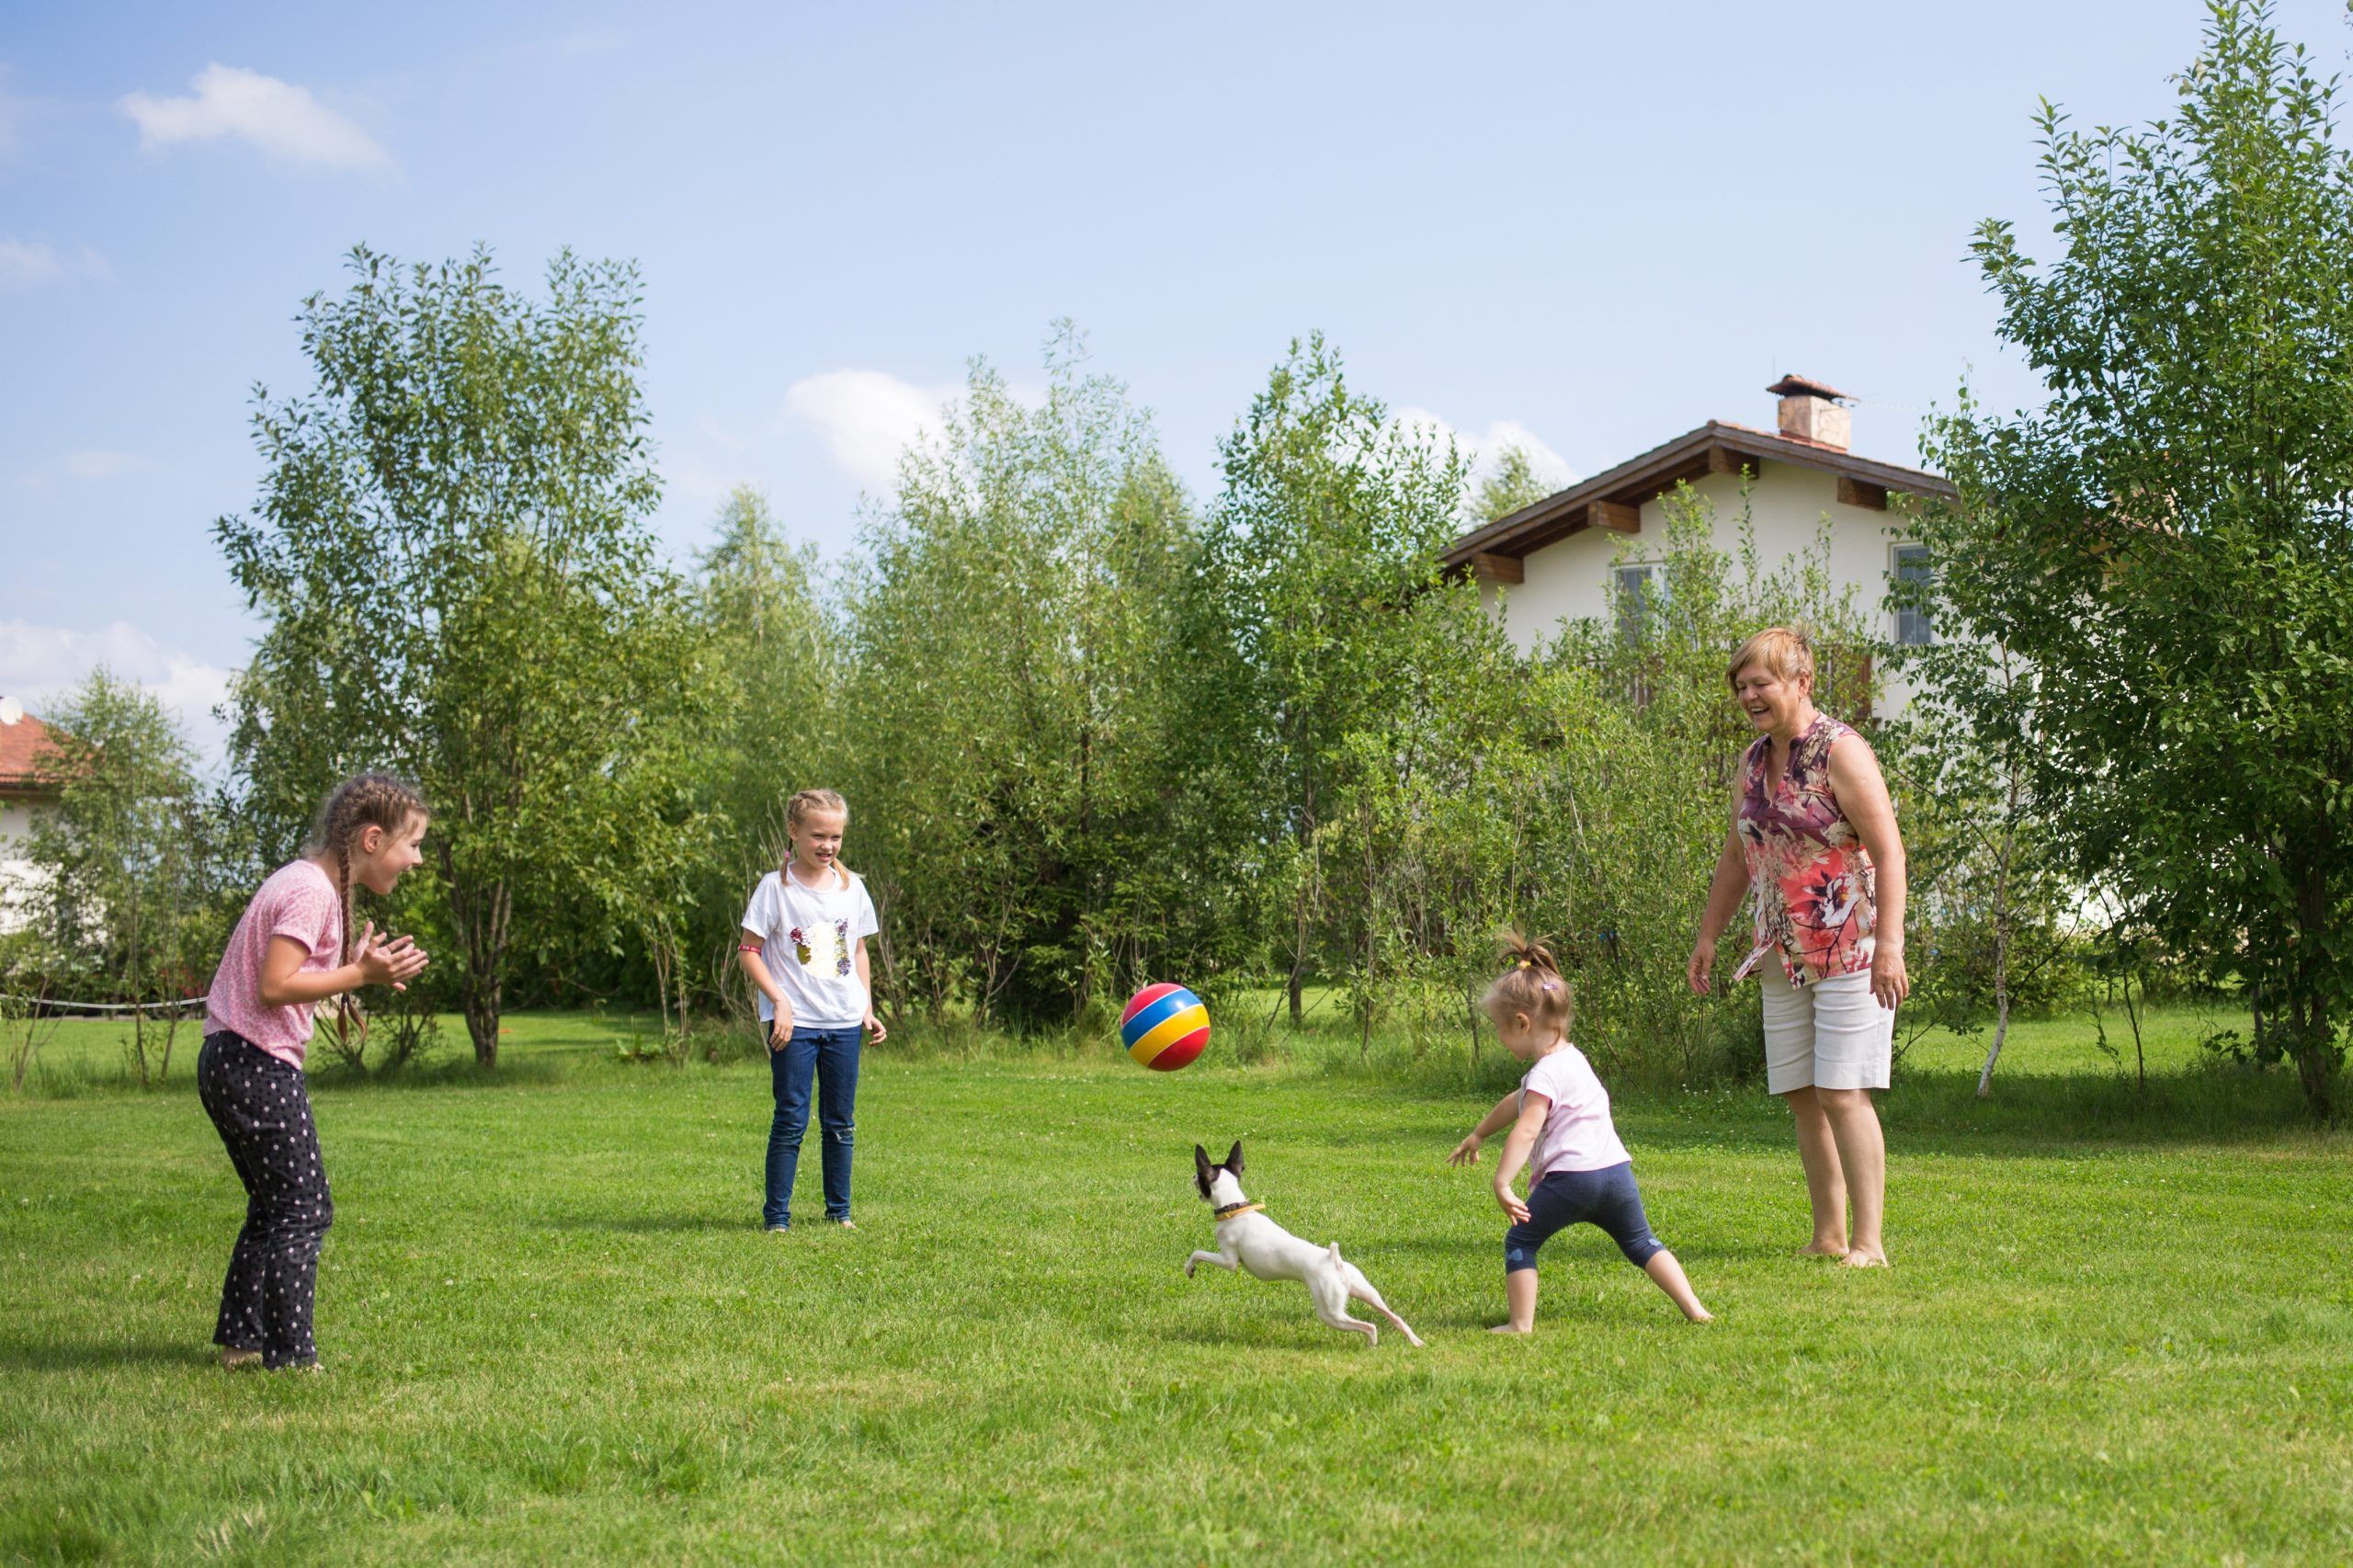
point(1781, 650)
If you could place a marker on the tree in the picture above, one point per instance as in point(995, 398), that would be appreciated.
point(119, 894)
point(1007, 704)
point(2168, 541)
point(1991, 888)
point(1331, 526)
point(774, 728)
point(1511, 484)
point(450, 547)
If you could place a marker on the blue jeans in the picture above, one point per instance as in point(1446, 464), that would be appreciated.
point(831, 1057)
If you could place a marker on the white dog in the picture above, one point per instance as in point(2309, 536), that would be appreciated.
point(1247, 1239)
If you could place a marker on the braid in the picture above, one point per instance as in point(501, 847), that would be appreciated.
point(361, 801)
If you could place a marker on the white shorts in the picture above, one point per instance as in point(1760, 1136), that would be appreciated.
point(1829, 1034)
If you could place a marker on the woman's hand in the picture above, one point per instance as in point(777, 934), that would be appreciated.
point(1889, 982)
point(780, 1031)
point(1700, 971)
point(386, 960)
point(1465, 1153)
point(1509, 1201)
point(875, 1033)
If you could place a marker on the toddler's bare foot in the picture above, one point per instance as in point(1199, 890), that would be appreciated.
point(1865, 1258)
point(1701, 1314)
point(1509, 1328)
point(1820, 1249)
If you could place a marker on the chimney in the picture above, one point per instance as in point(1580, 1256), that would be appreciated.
point(1812, 412)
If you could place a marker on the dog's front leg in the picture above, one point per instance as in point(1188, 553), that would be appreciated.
point(1224, 1260)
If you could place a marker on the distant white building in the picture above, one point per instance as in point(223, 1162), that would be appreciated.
point(1556, 559)
point(29, 782)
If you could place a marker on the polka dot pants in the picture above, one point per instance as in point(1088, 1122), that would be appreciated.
point(264, 1114)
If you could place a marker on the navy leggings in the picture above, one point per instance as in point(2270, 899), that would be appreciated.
point(263, 1116)
point(1607, 1197)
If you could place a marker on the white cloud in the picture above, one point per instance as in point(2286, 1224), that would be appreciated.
point(867, 418)
point(279, 118)
point(39, 665)
point(1484, 447)
point(24, 263)
point(103, 464)
point(91, 465)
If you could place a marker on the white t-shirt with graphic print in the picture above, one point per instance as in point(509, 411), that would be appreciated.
point(810, 939)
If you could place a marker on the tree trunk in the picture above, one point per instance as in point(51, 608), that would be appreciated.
point(480, 916)
point(2312, 1033)
point(2001, 950)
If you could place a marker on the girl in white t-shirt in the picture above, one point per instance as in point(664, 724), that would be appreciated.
point(1581, 1172)
point(804, 951)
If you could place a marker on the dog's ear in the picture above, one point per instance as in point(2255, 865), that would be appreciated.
point(1202, 1170)
point(1234, 1157)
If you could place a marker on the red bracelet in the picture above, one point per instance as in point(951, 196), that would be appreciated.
point(745, 947)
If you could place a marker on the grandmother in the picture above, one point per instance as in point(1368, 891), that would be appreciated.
point(1813, 839)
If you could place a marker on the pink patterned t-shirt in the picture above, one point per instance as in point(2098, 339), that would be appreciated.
point(1578, 1134)
point(298, 900)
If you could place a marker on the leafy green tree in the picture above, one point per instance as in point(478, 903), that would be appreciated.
point(1006, 699)
point(120, 894)
point(1512, 483)
point(1994, 895)
point(773, 730)
point(1330, 527)
point(451, 550)
point(2168, 541)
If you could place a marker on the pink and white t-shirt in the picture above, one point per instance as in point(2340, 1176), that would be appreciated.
point(298, 900)
point(1578, 1134)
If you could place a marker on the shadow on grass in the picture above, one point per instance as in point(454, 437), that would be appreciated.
point(657, 1224)
point(99, 1354)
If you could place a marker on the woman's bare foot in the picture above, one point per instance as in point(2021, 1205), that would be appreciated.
point(234, 1359)
point(1509, 1328)
point(1819, 1248)
point(1865, 1258)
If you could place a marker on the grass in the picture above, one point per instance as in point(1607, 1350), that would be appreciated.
point(2121, 1328)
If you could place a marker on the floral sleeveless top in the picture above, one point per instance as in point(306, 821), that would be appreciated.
point(1816, 901)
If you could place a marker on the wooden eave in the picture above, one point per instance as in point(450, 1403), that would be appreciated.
point(1714, 447)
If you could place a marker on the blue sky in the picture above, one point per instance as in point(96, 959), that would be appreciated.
point(1597, 225)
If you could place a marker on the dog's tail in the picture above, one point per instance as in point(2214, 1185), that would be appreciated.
point(1335, 1254)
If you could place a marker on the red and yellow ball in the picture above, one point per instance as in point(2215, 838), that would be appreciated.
point(1164, 1026)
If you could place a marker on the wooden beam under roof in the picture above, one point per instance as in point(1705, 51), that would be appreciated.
point(1853, 491)
point(1495, 568)
point(1618, 517)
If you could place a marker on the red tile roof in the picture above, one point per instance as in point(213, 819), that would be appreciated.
point(28, 763)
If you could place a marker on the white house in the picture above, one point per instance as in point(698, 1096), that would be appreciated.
point(1555, 559)
point(28, 781)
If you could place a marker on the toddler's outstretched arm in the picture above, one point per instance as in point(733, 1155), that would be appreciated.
point(1467, 1152)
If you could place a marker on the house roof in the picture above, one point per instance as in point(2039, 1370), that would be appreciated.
point(1717, 446)
point(28, 765)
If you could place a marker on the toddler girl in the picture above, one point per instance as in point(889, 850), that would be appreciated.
point(1561, 1113)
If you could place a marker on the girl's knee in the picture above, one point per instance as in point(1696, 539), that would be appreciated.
point(1521, 1244)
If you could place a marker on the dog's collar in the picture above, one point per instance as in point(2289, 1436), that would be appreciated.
point(1231, 1210)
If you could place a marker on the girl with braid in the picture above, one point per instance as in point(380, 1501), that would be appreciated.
point(292, 949)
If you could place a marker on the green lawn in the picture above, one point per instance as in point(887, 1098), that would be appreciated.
point(2121, 1329)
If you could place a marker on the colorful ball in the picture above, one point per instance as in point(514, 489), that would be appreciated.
point(1164, 1026)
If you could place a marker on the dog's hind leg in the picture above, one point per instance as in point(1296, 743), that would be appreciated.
point(1330, 1294)
point(1360, 1288)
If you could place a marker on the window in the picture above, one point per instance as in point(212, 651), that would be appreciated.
point(1638, 588)
point(1913, 628)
